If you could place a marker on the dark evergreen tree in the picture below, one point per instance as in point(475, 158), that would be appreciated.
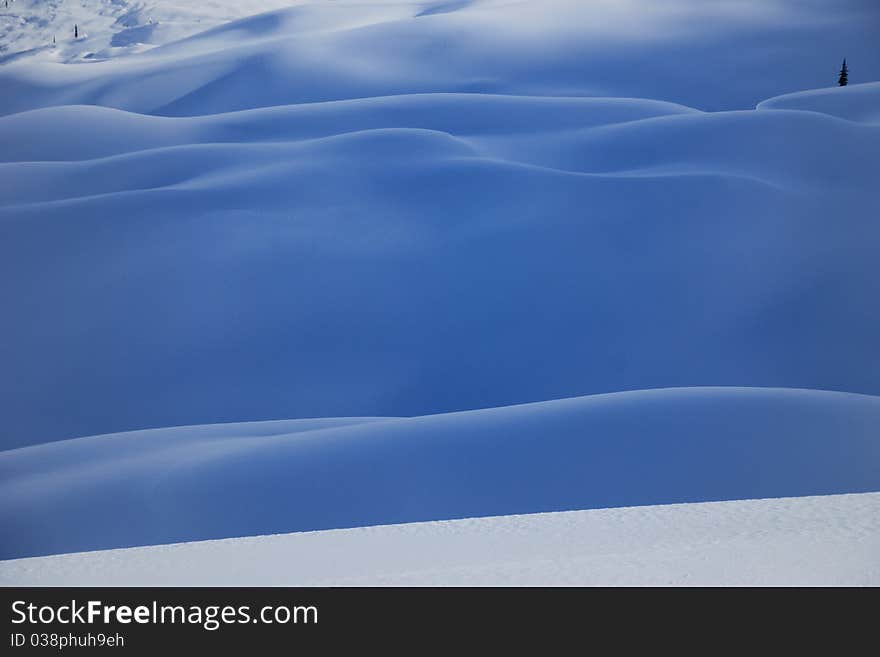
point(75, 31)
point(844, 72)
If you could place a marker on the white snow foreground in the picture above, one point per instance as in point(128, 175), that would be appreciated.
point(831, 540)
point(624, 449)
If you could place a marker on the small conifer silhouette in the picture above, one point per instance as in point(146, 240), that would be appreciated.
point(75, 31)
point(844, 73)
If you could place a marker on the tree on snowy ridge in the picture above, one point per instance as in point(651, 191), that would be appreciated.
point(844, 73)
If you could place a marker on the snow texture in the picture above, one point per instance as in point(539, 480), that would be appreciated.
point(806, 541)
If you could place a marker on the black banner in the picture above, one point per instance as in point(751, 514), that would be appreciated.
point(115, 620)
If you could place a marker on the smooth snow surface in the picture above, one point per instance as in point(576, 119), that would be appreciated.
point(817, 541)
point(416, 254)
point(622, 449)
point(855, 103)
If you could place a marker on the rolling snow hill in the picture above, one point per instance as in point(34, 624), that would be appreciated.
point(725, 54)
point(415, 254)
point(623, 449)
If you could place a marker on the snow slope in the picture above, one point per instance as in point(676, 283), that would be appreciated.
point(725, 54)
point(111, 28)
point(622, 449)
point(806, 541)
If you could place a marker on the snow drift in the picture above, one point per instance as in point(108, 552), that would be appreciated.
point(854, 103)
point(624, 449)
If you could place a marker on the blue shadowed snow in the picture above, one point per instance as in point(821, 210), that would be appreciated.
point(418, 254)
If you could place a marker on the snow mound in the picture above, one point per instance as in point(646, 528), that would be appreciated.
point(858, 102)
point(44, 134)
point(623, 449)
point(806, 541)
